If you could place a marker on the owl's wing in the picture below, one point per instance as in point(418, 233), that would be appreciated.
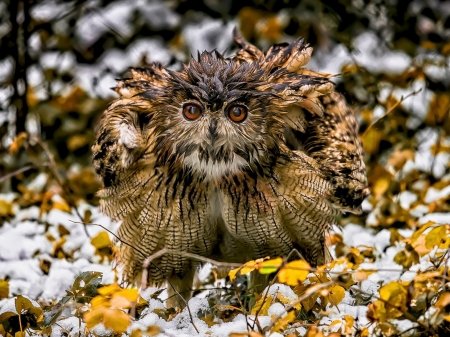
point(119, 141)
point(119, 135)
point(318, 121)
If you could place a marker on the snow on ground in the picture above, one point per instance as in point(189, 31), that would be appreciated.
point(25, 244)
point(28, 240)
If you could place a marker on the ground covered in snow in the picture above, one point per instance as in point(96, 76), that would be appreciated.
point(41, 255)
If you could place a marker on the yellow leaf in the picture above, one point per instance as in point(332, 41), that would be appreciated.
point(18, 142)
point(445, 243)
point(314, 332)
point(124, 298)
point(93, 317)
point(232, 273)
point(381, 186)
point(335, 322)
point(420, 245)
point(262, 305)
point(364, 332)
point(438, 110)
point(285, 300)
point(371, 140)
point(349, 322)
point(407, 258)
point(294, 272)
point(394, 294)
point(153, 330)
point(425, 277)
point(380, 180)
point(376, 311)
point(101, 240)
point(116, 320)
point(336, 295)
point(2, 330)
point(400, 157)
point(6, 209)
point(76, 141)
point(270, 266)
point(420, 231)
point(62, 206)
point(434, 237)
point(4, 289)
point(282, 323)
point(109, 289)
point(361, 275)
point(245, 334)
point(248, 267)
point(309, 302)
point(443, 301)
point(136, 333)
point(99, 301)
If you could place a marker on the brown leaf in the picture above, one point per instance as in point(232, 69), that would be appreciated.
point(439, 109)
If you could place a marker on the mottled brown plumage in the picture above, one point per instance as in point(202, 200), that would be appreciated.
point(183, 174)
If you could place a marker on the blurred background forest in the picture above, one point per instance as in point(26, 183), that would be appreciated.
point(59, 59)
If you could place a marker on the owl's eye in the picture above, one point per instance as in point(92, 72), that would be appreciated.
point(192, 111)
point(237, 113)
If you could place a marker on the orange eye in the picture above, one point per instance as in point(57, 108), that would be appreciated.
point(192, 111)
point(237, 113)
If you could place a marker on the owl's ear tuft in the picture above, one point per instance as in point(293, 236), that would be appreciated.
point(150, 79)
point(291, 57)
point(248, 52)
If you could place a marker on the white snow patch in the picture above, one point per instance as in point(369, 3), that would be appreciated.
point(407, 198)
point(434, 194)
point(439, 218)
point(72, 326)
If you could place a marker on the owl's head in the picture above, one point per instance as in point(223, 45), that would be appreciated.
point(220, 115)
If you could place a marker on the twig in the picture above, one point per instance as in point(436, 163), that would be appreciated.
point(145, 266)
point(292, 304)
point(163, 251)
point(406, 314)
point(150, 262)
point(403, 98)
point(60, 180)
point(21, 170)
point(271, 283)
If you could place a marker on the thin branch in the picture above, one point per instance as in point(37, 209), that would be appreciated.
point(403, 98)
point(60, 180)
point(292, 304)
point(21, 170)
point(144, 270)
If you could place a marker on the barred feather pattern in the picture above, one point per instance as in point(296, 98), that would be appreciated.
point(226, 190)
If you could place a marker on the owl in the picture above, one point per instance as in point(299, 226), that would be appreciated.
point(229, 158)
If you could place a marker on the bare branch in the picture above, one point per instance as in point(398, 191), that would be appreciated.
point(21, 170)
point(391, 109)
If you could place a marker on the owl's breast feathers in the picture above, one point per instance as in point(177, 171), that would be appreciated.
point(272, 183)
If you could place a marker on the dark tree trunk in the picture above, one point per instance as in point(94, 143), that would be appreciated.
point(18, 44)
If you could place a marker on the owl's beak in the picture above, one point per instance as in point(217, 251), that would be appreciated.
point(213, 130)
